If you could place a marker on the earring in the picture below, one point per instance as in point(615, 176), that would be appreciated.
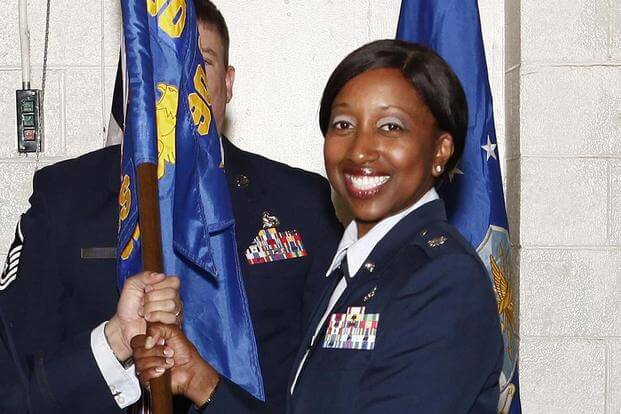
point(438, 169)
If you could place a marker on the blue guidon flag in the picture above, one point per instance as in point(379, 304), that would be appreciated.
point(169, 123)
point(473, 195)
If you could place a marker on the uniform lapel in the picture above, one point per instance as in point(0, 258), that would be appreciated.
point(320, 309)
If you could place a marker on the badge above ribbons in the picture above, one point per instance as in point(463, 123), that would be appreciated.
point(270, 245)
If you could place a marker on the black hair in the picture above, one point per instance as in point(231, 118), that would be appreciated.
point(428, 73)
point(208, 13)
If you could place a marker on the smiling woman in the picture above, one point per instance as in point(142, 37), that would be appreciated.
point(383, 149)
point(410, 323)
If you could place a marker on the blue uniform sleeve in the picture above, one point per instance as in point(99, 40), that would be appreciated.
point(59, 371)
point(442, 349)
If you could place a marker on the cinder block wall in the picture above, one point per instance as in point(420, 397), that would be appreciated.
point(564, 122)
point(82, 59)
point(284, 52)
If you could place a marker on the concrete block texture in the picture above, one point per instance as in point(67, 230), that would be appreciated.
point(570, 292)
point(281, 71)
point(615, 33)
point(75, 33)
point(16, 184)
point(614, 376)
point(562, 31)
point(563, 376)
point(512, 113)
point(574, 111)
point(83, 111)
point(111, 32)
point(614, 220)
point(513, 32)
point(512, 196)
point(563, 202)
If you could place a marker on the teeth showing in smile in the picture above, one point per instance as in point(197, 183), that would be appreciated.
point(366, 182)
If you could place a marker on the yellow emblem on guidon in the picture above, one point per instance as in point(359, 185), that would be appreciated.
point(129, 247)
point(199, 102)
point(125, 198)
point(166, 121)
point(172, 15)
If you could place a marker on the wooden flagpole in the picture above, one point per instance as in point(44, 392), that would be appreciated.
point(152, 259)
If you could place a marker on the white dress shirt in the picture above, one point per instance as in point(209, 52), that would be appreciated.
point(357, 251)
point(122, 381)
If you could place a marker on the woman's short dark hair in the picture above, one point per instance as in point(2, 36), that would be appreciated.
point(428, 73)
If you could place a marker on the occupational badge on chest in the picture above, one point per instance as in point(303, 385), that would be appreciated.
point(352, 330)
point(272, 245)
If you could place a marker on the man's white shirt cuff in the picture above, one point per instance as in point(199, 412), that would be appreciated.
point(123, 384)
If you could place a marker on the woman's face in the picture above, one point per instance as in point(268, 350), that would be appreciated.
point(382, 147)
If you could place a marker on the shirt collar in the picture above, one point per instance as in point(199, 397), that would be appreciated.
point(358, 250)
point(221, 149)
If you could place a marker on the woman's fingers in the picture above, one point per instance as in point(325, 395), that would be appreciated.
point(151, 363)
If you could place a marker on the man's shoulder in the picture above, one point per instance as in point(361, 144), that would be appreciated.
point(92, 167)
point(279, 174)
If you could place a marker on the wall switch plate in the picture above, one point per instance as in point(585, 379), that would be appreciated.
point(29, 120)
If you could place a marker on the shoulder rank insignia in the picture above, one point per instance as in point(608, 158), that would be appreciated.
point(438, 241)
point(271, 245)
point(352, 330)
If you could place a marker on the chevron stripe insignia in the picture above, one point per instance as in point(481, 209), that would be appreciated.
point(9, 273)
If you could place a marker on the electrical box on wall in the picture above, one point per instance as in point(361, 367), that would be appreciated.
point(29, 120)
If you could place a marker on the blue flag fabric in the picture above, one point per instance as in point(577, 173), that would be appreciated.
point(169, 123)
point(473, 195)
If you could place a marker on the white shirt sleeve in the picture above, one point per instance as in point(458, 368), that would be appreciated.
point(123, 383)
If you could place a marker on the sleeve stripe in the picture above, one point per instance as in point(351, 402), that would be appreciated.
point(9, 273)
point(4, 283)
point(15, 253)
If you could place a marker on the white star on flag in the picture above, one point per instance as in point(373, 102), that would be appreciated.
point(490, 149)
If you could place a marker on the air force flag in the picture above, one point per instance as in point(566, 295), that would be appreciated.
point(473, 196)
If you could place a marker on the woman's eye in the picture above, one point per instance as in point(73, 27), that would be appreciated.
point(341, 125)
point(391, 127)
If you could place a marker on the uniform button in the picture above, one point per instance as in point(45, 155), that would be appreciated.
point(242, 181)
point(120, 399)
point(369, 266)
point(423, 232)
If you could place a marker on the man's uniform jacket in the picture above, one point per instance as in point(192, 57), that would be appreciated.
point(66, 284)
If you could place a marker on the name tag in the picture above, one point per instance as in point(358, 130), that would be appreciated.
point(98, 253)
point(352, 330)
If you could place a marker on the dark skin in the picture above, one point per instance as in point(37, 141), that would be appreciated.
point(167, 347)
point(383, 150)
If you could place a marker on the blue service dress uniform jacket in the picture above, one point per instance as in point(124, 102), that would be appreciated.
point(66, 284)
point(437, 348)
